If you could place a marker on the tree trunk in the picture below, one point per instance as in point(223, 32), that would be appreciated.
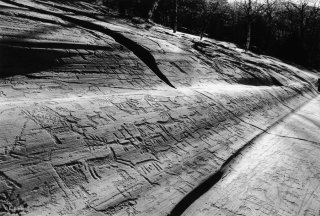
point(201, 34)
point(203, 29)
point(122, 7)
point(248, 37)
point(175, 23)
point(270, 28)
point(153, 8)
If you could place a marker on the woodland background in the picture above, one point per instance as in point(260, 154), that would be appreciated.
point(284, 29)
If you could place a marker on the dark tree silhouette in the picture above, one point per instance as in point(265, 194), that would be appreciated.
point(282, 28)
point(175, 19)
point(152, 9)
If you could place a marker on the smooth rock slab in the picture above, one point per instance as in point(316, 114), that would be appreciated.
point(277, 175)
point(92, 129)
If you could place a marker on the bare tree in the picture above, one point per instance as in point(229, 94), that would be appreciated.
point(303, 12)
point(251, 9)
point(313, 17)
point(154, 5)
point(175, 19)
point(209, 8)
point(269, 10)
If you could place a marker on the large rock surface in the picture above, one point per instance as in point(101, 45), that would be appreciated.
point(100, 116)
point(277, 175)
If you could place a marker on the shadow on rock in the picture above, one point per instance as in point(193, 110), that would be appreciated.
point(24, 60)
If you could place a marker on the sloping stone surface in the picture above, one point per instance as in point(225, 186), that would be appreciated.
point(277, 175)
point(100, 116)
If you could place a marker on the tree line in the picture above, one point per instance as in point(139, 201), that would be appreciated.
point(289, 30)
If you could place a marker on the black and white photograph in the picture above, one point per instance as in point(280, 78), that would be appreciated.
point(159, 108)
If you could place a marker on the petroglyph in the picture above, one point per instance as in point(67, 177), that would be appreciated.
point(88, 126)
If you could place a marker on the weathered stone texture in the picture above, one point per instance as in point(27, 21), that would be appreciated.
point(89, 126)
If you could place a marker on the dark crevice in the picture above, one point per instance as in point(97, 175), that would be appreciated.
point(212, 180)
point(142, 53)
point(196, 194)
point(178, 67)
point(205, 186)
point(275, 81)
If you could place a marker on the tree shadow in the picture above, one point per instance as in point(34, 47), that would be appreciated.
point(24, 60)
point(20, 56)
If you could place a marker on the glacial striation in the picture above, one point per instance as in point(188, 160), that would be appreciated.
point(101, 116)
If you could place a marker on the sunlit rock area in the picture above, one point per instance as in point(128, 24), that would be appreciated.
point(103, 116)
